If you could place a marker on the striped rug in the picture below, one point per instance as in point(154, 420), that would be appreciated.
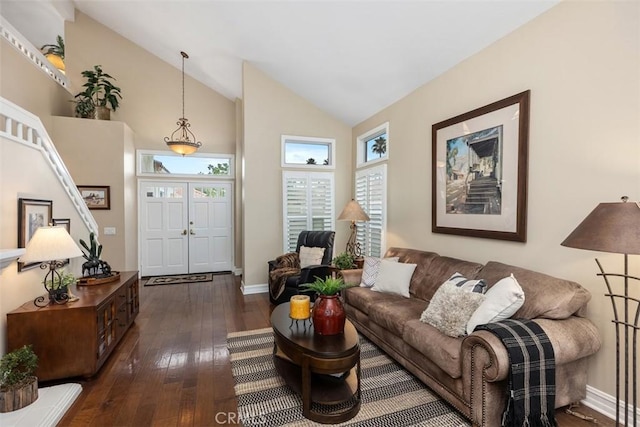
point(390, 395)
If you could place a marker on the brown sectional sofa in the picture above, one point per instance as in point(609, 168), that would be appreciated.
point(471, 372)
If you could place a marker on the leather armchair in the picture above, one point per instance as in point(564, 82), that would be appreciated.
point(282, 270)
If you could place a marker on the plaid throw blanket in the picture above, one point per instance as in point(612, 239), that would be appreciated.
point(532, 382)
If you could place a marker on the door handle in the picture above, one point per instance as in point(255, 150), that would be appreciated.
point(184, 232)
point(193, 233)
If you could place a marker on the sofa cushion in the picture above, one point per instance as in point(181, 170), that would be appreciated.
point(450, 309)
point(442, 350)
point(545, 296)
point(370, 270)
point(393, 313)
point(363, 298)
point(501, 302)
point(394, 278)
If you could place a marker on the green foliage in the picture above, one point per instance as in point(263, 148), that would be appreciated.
point(344, 261)
point(326, 286)
point(17, 366)
point(220, 169)
point(380, 146)
point(311, 161)
point(99, 89)
point(60, 282)
point(84, 107)
point(94, 251)
point(54, 49)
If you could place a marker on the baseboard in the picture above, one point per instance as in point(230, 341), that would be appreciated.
point(254, 289)
point(606, 405)
point(237, 271)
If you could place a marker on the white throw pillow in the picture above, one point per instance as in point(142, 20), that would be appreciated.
point(502, 301)
point(310, 256)
point(394, 277)
point(370, 270)
point(450, 309)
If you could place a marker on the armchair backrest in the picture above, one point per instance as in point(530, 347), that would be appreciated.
point(318, 239)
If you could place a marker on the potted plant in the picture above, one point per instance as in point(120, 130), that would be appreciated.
point(58, 287)
point(84, 106)
point(328, 312)
point(55, 53)
point(344, 261)
point(18, 385)
point(104, 95)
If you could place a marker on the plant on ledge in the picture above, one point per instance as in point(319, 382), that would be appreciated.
point(18, 385)
point(102, 93)
point(55, 53)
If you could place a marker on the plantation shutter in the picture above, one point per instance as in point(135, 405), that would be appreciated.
point(371, 194)
point(308, 199)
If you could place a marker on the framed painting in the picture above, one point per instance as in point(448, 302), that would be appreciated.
point(96, 196)
point(66, 223)
point(479, 171)
point(32, 214)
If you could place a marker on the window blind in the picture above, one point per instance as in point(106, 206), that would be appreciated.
point(371, 194)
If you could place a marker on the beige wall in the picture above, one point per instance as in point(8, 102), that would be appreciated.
point(581, 61)
point(24, 173)
point(271, 110)
point(100, 152)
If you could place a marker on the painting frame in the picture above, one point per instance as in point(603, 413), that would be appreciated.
point(32, 214)
point(495, 140)
point(66, 223)
point(96, 196)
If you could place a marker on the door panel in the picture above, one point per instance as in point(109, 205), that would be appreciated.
point(185, 227)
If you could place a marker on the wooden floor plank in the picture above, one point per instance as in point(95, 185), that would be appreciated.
point(172, 368)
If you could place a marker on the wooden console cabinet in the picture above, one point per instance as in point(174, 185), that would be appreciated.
point(75, 339)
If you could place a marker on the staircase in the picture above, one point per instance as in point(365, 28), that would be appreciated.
point(483, 196)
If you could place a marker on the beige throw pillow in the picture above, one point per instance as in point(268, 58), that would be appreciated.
point(394, 277)
point(502, 301)
point(310, 256)
point(450, 309)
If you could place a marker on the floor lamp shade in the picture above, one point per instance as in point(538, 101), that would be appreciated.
point(615, 228)
point(353, 212)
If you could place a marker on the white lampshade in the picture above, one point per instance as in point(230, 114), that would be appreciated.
point(50, 244)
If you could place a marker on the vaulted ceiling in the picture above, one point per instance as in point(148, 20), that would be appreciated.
point(350, 58)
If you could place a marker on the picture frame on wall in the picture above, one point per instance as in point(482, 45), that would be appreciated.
point(96, 196)
point(479, 171)
point(32, 214)
point(66, 223)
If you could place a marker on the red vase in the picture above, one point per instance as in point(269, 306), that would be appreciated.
point(328, 315)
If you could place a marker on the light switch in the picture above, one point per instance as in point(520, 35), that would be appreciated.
point(109, 231)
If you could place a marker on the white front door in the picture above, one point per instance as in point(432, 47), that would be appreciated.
point(185, 227)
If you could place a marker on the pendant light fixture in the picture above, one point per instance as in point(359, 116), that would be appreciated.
point(182, 140)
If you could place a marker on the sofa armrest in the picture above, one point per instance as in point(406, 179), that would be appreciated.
point(572, 339)
point(352, 277)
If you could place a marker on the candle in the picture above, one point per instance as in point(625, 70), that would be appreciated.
point(299, 308)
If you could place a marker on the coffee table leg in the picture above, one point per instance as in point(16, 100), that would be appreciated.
point(306, 387)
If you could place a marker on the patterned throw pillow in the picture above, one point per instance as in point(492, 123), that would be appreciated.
point(310, 256)
point(477, 286)
point(370, 270)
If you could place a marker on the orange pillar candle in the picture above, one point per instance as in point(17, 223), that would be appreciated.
point(300, 307)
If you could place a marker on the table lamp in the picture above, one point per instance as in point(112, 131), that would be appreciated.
point(615, 227)
point(353, 212)
point(49, 246)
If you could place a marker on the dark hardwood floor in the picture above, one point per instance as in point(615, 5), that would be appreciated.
point(172, 367)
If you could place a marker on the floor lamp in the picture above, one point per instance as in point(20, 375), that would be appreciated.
point(615, 227)
point(353, 212)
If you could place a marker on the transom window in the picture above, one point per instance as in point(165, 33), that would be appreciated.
point(373, 146)
point(199, 164)
point(308, 152)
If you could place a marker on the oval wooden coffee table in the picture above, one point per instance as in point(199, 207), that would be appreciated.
point(324, 370)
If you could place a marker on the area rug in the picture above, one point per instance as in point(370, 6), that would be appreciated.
point(178, 279)
point(391, 396)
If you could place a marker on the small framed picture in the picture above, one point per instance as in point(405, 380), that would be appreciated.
point(96, 196)
point(32, 214)
point(66, 223)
